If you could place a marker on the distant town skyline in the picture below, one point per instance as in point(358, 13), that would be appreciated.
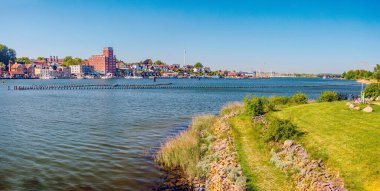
point(284, 36)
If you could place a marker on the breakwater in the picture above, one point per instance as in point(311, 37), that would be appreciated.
point(158, 86)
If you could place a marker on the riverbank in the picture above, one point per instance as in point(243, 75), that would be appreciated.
point(364, 81)
point(298, 146)
point(204, 154)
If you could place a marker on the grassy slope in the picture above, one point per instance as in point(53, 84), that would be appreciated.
point(254, 158)
point(348, 140)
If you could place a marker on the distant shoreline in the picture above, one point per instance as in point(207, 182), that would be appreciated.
point(162, 78)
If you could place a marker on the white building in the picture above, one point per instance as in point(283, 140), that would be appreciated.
point(81, 70)
point(136, 66)
point(197, 70)
point(47, 73)
point(53, 73)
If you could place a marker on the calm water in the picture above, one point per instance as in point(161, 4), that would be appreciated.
point(104, 139)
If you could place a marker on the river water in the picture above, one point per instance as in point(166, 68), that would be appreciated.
point(105, 139)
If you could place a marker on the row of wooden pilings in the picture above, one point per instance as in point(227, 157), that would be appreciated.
point(148, 86)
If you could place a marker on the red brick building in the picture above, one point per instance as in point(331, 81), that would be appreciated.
point(105, 63)
point(17, 70)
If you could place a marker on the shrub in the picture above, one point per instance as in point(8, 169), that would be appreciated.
point(281, 130)
point(299, 98)
point(372, 90)
point(268, 106)
point(255, 106)
point(279, 100)
point(328, 96)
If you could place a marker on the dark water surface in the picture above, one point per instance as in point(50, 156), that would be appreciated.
point(104, 139)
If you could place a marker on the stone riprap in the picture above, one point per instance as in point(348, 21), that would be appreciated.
point(308, 174)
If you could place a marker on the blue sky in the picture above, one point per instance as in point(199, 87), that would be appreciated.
point(287, 36)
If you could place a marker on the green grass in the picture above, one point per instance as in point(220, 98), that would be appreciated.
point(347, 140)
point(254, 157)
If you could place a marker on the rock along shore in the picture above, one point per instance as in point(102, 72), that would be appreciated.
point(307, 173)
point(224, 172)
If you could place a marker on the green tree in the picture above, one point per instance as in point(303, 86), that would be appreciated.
point(357, 74)
point(25, 60)
point(77, 61)
point(40, 58)
point(69, 60)
point(372, 90)
point(198, 65)
point(7, 54)
point(376, 72)
point(158, 62)
point(147, 62)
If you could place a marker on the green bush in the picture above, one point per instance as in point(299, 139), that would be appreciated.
point(268, 106)
point(372, 90)
point(255, 106)
point(299, 98)
point(281, 130)
point(279, 100)
point(328, 96)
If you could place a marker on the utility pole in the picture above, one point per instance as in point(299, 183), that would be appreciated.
point(362, 96)
point(184, 57)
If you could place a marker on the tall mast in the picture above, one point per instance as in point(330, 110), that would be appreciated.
point(184, 57)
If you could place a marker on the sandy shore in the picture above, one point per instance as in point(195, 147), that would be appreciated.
point(367, 81)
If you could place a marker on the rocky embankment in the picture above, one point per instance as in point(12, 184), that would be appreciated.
point(226, 173)
point(222, 169)
point(174, 180)
point(308, 174)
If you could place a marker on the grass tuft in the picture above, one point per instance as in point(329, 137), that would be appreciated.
point(185, 150)
point(237, 107)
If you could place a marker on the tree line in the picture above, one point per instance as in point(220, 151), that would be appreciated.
point(363, 74)
point(8, 55)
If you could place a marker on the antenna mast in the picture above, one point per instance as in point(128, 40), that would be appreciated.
point(184, 57)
